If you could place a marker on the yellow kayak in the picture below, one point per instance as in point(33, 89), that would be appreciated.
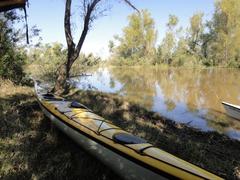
point(129, 156)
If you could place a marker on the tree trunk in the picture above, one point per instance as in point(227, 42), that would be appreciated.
point(61, 82)
point(61, 86)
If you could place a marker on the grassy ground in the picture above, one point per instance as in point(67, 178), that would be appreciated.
point(212, 151)
point(30, 148)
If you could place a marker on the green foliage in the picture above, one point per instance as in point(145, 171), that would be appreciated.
point(84, 63)
point(225, 30)
point(11, 56)
point(172, 22)
point(195, 34)
point(181, 57)
point(11, 65)
point(212, 43)
point(138, 41)
point(44, 60)
point(168, 45)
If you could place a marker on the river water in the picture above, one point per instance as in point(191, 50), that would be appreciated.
point(186, 95)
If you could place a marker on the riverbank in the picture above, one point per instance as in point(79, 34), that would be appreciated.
point(212, 151)
point(31, 148)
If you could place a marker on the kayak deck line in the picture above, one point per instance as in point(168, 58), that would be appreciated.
point(119, 141)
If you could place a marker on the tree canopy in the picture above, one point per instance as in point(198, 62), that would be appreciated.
point(12, 57)
point(138, 40)
point(215, 42)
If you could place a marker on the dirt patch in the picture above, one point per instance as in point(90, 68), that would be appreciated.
point(212, 151)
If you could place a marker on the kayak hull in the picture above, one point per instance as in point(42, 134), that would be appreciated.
point(232, 110)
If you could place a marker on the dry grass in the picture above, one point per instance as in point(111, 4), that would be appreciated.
point(30, 148)
point(8, 89)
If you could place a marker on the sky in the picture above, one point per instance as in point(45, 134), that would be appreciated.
point(48, 15)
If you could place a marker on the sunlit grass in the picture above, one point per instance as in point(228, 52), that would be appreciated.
point(8, 88)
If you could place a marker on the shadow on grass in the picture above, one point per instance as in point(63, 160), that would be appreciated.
point(210, 150)
point(30, 148)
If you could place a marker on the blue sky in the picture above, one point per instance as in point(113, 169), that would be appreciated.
point(48, 15)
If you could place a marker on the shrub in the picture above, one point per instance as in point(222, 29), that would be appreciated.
point(11, 65)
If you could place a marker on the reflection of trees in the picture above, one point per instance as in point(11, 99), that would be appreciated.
point(138, 84)
point(197, 88)
point(112, 83)
point(202, 89)
point(170, 105)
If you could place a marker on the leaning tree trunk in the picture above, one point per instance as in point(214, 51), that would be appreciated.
point(90, 8)
point(63, 73)
point(61, 81)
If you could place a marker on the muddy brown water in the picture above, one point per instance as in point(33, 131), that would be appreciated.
point(186, 95)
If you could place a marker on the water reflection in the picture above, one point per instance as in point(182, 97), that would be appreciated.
point(100, 80)
point(191, 96)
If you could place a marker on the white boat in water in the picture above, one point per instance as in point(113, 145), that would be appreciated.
point(232, 110)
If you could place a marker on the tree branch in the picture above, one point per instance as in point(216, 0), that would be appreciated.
point(89, 8)
point(131, 5)
point(67, 24)
point(87, 19)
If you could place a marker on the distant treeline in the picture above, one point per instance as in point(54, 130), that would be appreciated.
point(44, 60)
point(215, 42)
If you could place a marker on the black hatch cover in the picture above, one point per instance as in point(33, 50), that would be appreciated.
point(124, 138)
point(76, 104)
point(49, 96)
